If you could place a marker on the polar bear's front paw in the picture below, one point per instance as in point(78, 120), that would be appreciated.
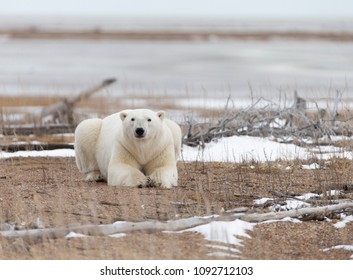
point(94, 176)
point(156, 180)
point(148, 183)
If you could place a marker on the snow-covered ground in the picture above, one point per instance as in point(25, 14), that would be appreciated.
point(231, 149)
point(244, 149)
point(53, 153)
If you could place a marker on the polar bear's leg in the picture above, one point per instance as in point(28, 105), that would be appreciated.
point(165, 177)
point(86, 136)
point(162, 171)
point(121, 174)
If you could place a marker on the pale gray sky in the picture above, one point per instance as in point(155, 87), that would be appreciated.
point(178, 8)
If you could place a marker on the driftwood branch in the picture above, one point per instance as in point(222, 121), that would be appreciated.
point(176, 225)
point(35, 147)
point(323, 210)
point(123, 227)
point(289, 124)
point(62, 111)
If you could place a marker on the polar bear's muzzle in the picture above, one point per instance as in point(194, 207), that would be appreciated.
point(140, 132)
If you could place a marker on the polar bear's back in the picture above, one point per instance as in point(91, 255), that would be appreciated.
point(86, 136)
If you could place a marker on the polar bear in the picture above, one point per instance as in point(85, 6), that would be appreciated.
point(134, 148)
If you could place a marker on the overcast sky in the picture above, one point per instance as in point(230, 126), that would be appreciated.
point(177, 8)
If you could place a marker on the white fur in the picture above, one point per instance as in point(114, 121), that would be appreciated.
point(111, 149)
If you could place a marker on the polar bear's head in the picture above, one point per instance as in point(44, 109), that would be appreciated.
point(142, 123)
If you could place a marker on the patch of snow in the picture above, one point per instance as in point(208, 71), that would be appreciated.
point(218, 254)
point(262, 201)
point(39, 223)
point(326, 149)
point(285, 139)
point(333, 138)
point(337, 138)
point(344, 247)
point(118, 235)
point(311, 166)
point(74, 235)
point(119, 222)
point(340, 247)
point(307, 140)
point(243, 129)
point(224, 232)
point(290, 205)
point(260, 125)
point(278, 123)
point(243, 149)
point(333, 192)
point(307, 196)
point(289, 219)
point(343, 222)
point(52, 153)
point(12, 117)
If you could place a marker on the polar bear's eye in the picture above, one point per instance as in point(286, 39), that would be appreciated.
point(149, 120)
point(133, 119)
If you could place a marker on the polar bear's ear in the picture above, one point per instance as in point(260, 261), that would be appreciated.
point(161, 115)
point(123, 116)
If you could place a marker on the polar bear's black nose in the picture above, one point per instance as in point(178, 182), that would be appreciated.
point(139, 132)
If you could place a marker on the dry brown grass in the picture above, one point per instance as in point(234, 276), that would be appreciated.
point(18, 101)
point(52, 189)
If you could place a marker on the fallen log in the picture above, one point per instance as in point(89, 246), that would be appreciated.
point(323, 210)
point(175, 225)
point(35, 147)
point(119, 227)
